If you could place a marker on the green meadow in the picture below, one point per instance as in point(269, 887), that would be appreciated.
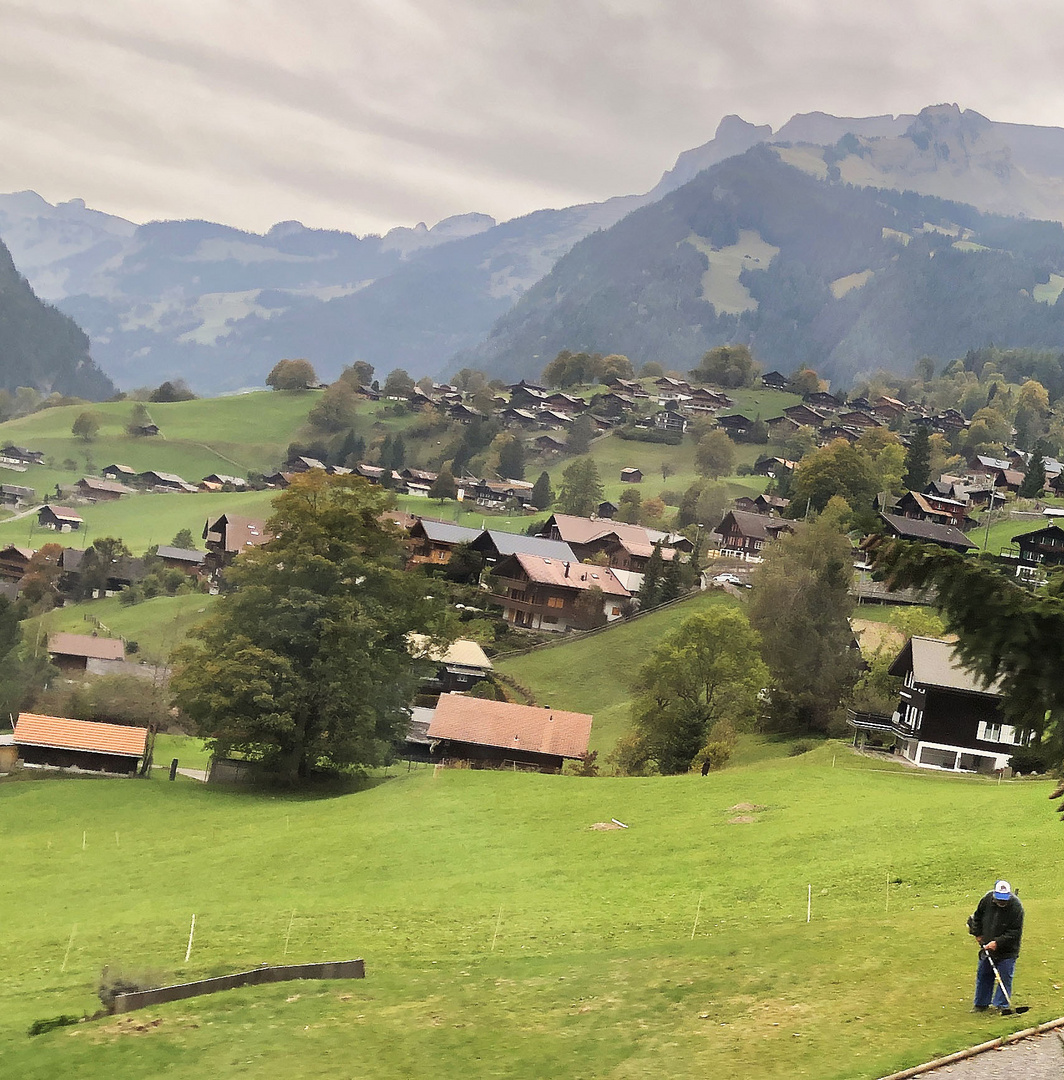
point(504, 936)
point(594, 674)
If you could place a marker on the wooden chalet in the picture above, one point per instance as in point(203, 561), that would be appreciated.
point(300, 463)
point(607, 509)
point(553, 418)
point(566, 403)
point(496, 546)
point(774, 466)
point(418, 481)
point(459, 666)
point(744, 535)
point(523, 418)
point(192, 562)
point(21, 455)
point(500, 734)
point(821, 400)
point(72, 652)
point(121, 573)
point(230, 534)
point(14, 562)
point(56, 742)
point(590, 536)
point(668, 385)
point(223, 482)
point(59, 518)
point(499, 493)
point(857, 418)
point(433, 541)
point(922, 507)
point(735, 424)
point(144, 431)
point(838, 431)
point(925, 532)
point(805, 415)
point(89, 487)
point(464, 414)
point(119, 472)
point(164, 482)
point(781, 426)
point(670, 420)
point(631, 476)
point(15, 495)
point(616, 404)
point(548, 444)
point(1043, 548)
point(775, 380)
point(527, 395)
point(540, 593)
point(947, 717)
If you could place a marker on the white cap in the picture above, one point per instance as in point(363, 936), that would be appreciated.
point(1002, 890)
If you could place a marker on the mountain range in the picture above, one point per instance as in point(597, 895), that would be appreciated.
point(218, 306)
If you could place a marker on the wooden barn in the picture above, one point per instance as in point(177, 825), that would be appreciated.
point(71, 653)
point(499, 734)
point(56, 742)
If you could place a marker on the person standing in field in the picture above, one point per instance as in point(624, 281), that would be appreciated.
point(997, 925)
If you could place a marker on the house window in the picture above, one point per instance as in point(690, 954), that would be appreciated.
point(989, 732)
point(556, 601)
point(550, 618)
point(615, 611)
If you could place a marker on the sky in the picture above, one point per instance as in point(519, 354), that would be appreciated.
point(367, 114)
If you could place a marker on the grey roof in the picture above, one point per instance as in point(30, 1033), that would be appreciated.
point(181, 555)
point(935, 663)
point(512, 543)
point(910, 528)
point(446, 532)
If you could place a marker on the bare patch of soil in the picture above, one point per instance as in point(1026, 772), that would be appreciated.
point(742, 819)
point(605, 826)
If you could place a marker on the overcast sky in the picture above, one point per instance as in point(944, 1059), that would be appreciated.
point(365, 114)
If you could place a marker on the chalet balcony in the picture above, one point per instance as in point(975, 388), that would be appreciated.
point(529, 605)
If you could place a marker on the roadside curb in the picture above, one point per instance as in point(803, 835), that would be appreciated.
point(973, 1051)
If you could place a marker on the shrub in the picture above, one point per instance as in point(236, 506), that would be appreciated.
point(1031, 759)
point(113, 983)
point(803, 746)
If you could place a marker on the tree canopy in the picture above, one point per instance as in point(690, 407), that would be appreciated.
point(292, 375)
point(304, 663)
point(801, 605)
point(705, 672)
point(581, 490)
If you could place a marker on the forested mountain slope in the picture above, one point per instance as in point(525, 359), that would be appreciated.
point(39, 346)
point(842, 278)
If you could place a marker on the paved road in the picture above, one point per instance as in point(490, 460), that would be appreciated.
point(1040, 1057)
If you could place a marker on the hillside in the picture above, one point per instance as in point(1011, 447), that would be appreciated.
point(806, 271)
point(494, 920)
point(39, 346)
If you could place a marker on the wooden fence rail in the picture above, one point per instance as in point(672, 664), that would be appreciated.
point(338, 969)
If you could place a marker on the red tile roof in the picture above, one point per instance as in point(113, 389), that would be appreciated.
point(96, 648)
point(516, 727)
point(34, 730)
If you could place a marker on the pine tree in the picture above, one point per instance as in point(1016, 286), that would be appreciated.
point(653, 572)
point(918, 460)
point(542, 492)
point(1034, 480)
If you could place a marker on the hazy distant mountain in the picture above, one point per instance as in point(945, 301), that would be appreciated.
point(219, 306)
point(41, 347)
point(754, 250)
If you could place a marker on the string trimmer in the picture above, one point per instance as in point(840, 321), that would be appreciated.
point(1001, 986)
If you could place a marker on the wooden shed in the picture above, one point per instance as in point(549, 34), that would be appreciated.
point(61, 743)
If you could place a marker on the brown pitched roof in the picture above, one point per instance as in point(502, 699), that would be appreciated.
point(580, 576)
point(63, 513)
point(240, 533)
point(518, 727)
point(93, 484)
point(34, 730)
point(95, 648)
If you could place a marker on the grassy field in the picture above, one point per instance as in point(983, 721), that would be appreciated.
point(141, 520)
point(594, 674)
point(505, 937)
point(157, 625)
point(228, 435)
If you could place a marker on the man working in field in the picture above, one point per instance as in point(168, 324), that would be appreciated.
point(998, 927)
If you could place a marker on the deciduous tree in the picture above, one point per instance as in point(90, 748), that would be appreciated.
point(581, 490)
point(801, 606)
point(292, 375)
point(304, 663)
point(86, 425)
point(703, 673)
point(715, 455)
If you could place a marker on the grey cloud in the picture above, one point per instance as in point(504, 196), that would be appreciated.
point(364, 115)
